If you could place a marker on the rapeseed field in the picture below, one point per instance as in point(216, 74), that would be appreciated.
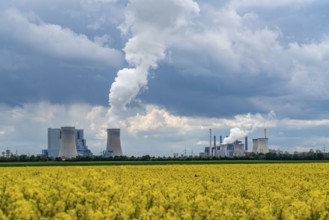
point(241, 191)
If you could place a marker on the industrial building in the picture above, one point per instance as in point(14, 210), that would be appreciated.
point(66, 142)
point(54, 142)
point(235, 149)
point(82, 148)
point(113, 146)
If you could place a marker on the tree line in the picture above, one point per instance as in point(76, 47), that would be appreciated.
point(311, 155)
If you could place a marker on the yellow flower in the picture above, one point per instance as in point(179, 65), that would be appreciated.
point(245, 191)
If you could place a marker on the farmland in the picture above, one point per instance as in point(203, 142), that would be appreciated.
point(172, 191)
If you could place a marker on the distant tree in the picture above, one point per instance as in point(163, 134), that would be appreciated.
point(296, 156)
point(8, 153)
point(271, 156)
point(310, 155)
point(23, 158)
point(252, 155)
point(32, 158)
point(146, 158)
point(58, 159)
point(319, 155)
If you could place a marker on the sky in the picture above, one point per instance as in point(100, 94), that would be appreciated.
point(165, 72)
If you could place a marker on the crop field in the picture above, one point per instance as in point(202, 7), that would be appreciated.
point(216, 191)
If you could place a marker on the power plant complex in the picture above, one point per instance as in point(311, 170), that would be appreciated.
point(68, 142)
point(235, 149)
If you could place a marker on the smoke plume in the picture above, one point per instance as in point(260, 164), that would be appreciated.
point(246, 124)
point(150, 24)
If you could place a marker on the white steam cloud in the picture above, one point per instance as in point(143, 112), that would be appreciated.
point(150, 24)
point(246, 124)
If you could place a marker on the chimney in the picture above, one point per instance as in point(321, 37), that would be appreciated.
point(113, 142)
point(210, 150)
point(215, 146)
point(246, 143)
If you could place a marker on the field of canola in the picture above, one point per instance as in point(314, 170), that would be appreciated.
point(244, 191)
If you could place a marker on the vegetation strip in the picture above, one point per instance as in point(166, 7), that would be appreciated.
point(123, 163)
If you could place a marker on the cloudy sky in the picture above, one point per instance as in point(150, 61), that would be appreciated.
point(175, 68)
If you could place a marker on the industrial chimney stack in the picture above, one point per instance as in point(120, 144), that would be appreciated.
point(113, 142)
point(210, 145)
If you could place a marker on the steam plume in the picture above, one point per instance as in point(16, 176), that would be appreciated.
point(150, 24)
point(247, 124)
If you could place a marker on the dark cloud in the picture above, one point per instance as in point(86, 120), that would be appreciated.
point(210, 95)
point(57, 84)
point(304, 23)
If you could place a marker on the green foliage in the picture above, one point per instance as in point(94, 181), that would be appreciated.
point(250, 158)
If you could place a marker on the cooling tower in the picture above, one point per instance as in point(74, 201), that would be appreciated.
point(113, 141)
point(68, 147)
point(260, 145)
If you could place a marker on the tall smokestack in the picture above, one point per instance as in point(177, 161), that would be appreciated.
point(220, 139)
point(264, 132)
point(113, 141)
point(210, 151)
point(246, 143)
point(68, 148)
point(215, 146)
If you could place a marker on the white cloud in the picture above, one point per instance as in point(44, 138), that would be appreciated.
point(301, 123)
point(268, 3)
point(103, 41)
point(302, 149)
point(6, 130)
point(25, 127)
point(229, 40)
point(52, 39)
point(157, 119)
point(155, 131)
point(225, 40)
point(98, 1)
point(225, 44)
point(310, 68)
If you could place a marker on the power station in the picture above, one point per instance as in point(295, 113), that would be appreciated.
point(68, 142)
point(235, 149)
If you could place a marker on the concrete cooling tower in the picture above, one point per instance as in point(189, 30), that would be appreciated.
point(68, 147)
point(113, 142)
